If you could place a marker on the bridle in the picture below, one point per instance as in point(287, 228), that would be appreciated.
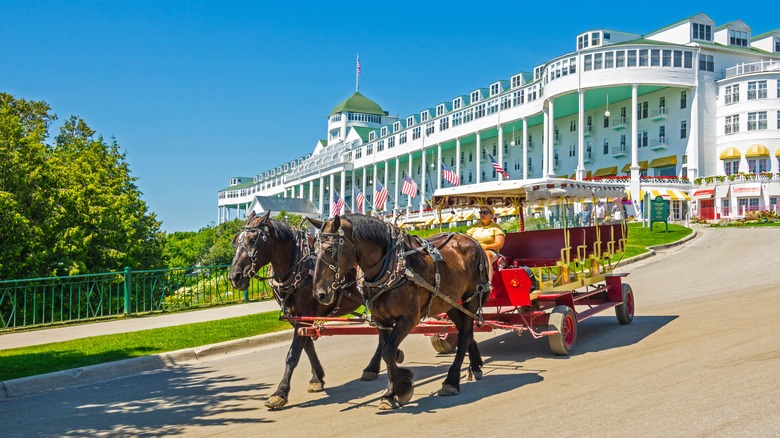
point(336, 241)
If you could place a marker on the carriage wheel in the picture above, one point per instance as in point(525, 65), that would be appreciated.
point(625, 311)
point(445, 343)
point(563, 320)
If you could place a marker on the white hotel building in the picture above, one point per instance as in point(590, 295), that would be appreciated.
point(690, 111)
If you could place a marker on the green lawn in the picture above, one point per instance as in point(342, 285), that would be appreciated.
point(46, 358)
point(40, 359)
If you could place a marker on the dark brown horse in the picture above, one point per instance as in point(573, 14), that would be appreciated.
point(289, 250)
point(405, 279)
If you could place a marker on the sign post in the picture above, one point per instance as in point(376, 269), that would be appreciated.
point(659, 212)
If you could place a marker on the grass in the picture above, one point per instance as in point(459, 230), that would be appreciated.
point(47, 358)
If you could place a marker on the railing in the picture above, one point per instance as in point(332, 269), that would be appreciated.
point(753, 67)
point(44, 301)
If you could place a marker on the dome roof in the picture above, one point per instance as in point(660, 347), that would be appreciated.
point(357, 103)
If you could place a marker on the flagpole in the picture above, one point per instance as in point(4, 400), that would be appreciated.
point(357, 70)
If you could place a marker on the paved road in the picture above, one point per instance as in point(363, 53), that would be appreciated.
point(702, 358)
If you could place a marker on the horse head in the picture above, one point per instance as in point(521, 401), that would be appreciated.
point(253, 249)
point(336, 258)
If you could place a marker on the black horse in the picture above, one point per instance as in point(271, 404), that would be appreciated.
point(289, 250)
point(405, 279)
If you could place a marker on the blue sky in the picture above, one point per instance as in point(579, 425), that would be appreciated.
point(196, 92)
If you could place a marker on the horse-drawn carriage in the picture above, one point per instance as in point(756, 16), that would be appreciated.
point(547, 280)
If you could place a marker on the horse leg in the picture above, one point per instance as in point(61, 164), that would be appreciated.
point(371, 371)
point(451, 385)
point(316, 384)
point(400, 387)
point(278, 399)
point(475, 358)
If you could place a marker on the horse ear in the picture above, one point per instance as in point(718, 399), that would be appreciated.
point(251, 216)
point(336, 222)
point(316, 222)
point(265, 216)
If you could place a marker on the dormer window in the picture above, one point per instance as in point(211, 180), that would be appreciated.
point(396, 126)
point(440, 110)
point(494, 89)
point(517, 81)
point(384, 131)
point(702, 32)
point(409, 121)
point(286, 167)
point(777, 44)
point(474, 96)
point(738, 38)
point(595, 38)
point(457, 103)
point(424, 116)
point(372, 136)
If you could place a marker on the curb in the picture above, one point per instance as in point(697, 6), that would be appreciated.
point(653, 249)
point(112, 370)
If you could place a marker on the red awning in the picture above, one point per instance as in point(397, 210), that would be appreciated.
point(744, 190)
point(703, 193)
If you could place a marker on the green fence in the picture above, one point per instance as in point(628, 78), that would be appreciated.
point(43, 301)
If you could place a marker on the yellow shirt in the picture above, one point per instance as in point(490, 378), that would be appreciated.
point(485, 234)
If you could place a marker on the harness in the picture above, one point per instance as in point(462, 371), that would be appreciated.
point(395, 271)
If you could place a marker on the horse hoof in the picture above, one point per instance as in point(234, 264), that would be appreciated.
point(399, 356)
point(316, 387)
point(404, 398)
point(448, 390)
point(477, 375)
point(385, 405)
point(369, 376)
point(275, 402)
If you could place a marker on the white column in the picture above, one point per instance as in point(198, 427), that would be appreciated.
point(545, 141)
point(438, 166)
point(500, 157)
point(551, 138)
point(365, 195)
point(311, 191)
point(423, 174)
point(331, 187)
point(581, 137)
point(387, 184)
point(525, 148)
point(343, 188)
point(409, 198)
point(478, 153)
point(322, 195)
point(457, 156)
point(397, 188)
point(352, 205)
point(635, 172)
point(373, 204)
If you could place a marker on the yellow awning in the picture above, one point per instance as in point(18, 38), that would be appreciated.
point(606, 171)
point(562, 176)
point(627, 167)
point(757, 150)
point(730, 153)
point(671, 160)
point(672, 194)
point(777, 152)
point(429, 221)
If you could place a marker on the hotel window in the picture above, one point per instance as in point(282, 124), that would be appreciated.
point(371, 136)
point(738, 38)
point(756, 121)
point(662, 105)
point(444, 123)
point(683, 99)
point(456, 119)
point(609, 60)
point(595, 39)
point(732, 94)
point(622, 141)
point(402, 138)
point(706, 63)
point(380, 146)
point(632, 58)
point(620, 58)
point(517, 81)
point(424, 116)
point(396, 126)
point(688, 63)
point(582, 42)
point(641, 110)
point(641, 138)
point(369, 149)
point(384, 131)
point(391, 142)
point(606, 146)
point(495, 149)
point(655, 58)
point(468, 115)
point(702, 31)
point(732, 124)
point(684, 129)
point(457, 103)
point(518, 97)
point(474, 96)
point(606, 122)
point(572, 126)
point(492, 106)
point(678, 58)
point(471, 156)
point(643, 57)
point(410, 121)
point(439, 110)
point(588, 64)
point(662, 134)
point(471, 176)
point(506, 101)
point(429, 128)
point(757, 165)
point(572, 65)
point(494, 89)
point(597, 63)
point(416, 133)
point(517, 164)
point(756, 90)
point(667, 58)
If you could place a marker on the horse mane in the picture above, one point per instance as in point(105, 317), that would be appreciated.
point(282, 231)
point(369, 228)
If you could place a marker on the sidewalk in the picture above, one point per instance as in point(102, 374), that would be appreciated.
point(47, 335)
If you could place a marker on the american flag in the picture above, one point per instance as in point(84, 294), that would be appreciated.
point(449, 175)
point(380, 197)
point(498, 167)
point(338, 203)
point(409, 187)
point(359, 199)
point(358, 66)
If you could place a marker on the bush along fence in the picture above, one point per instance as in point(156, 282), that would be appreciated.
point(44, 301)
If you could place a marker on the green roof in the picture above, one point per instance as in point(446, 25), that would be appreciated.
point(363, 132)
point(357, 103)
